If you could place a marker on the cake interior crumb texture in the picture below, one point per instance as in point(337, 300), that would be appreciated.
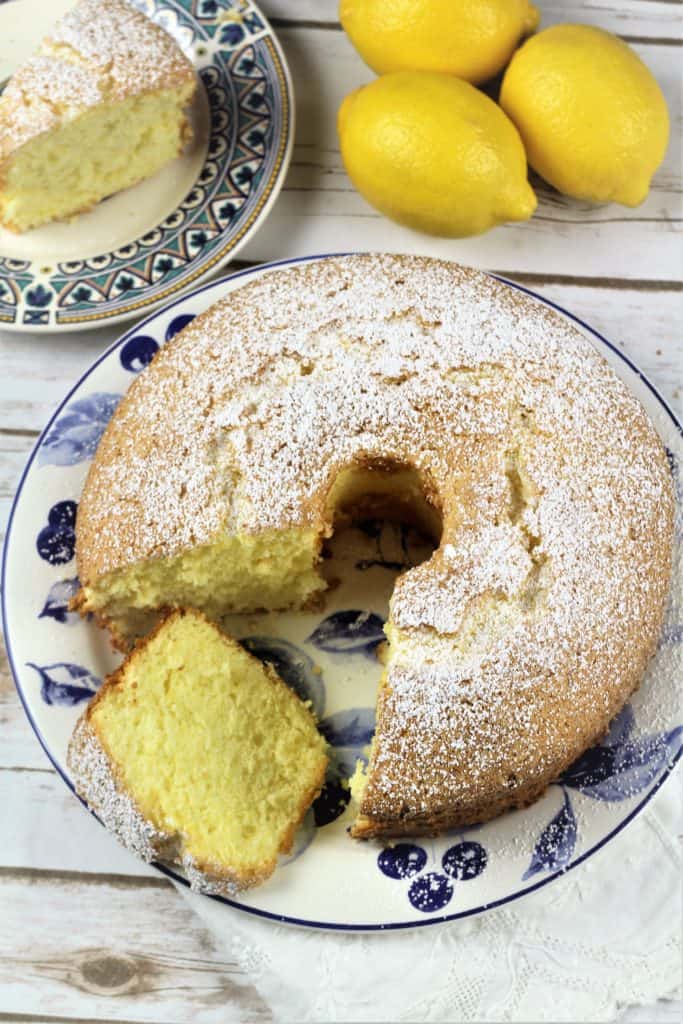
point(273, 569)
point(211, 746)
point(98, 108)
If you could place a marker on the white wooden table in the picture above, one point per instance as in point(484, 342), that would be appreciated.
point(84, 927)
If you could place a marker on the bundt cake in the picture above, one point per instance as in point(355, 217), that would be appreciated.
point(195, 752)
point(98, 108)
point(436, 391)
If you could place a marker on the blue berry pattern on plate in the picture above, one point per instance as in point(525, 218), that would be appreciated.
point(348, 733)
point(138, 352)
point(430, 891)
point(56, 542)
point(465, 861)
point(402, 861)
point(177, 324)
point(334, 797)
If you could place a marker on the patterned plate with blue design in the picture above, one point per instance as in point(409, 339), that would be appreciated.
point(150, 242)
point(329, 658)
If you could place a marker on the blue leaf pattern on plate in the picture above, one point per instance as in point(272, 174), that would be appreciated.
point(353, 727)
point(76, 434)
point(620, 728)
point(57, 603)
point(346, 759)
point(635, 766)
point(65, 684)
point(292, 665)
point(349, 631)
point(619, 767)
point(672, 634)
point(556, 842)
point(56, 542)
point(595, 765)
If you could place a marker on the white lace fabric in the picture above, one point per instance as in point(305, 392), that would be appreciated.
point(606, 936)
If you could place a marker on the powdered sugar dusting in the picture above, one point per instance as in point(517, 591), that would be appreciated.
point(95, 782)
point(534, 620)
point(491, 559)
point(111, 35)
point(102, 50)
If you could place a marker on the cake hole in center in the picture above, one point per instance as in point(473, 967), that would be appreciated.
point(384, 517)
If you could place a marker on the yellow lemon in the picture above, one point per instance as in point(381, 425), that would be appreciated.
point(473, 39)
point(432, 152)
point(592, 117)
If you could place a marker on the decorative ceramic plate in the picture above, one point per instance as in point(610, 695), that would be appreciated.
point(329, 881)
point(141, 246)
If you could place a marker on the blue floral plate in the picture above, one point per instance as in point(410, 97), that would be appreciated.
point(328, 657)
point(143, 245)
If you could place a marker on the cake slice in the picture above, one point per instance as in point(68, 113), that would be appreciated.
point(99, 107)
point(197, 753)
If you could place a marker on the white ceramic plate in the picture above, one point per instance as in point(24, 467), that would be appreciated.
point(150, 242)
point(330, 881)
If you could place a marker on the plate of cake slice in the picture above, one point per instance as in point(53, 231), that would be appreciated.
point(347, 591)
point(142, 142)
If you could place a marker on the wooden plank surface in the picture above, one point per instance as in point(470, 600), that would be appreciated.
point(109, 947)
point(87, 932)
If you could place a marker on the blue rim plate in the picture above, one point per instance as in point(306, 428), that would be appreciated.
point(142, 246)
point(329, 881)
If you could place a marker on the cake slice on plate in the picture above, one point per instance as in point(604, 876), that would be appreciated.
point(197, 753)
point(100, 106)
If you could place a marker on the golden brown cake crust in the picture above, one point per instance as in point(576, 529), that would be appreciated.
point(516, 643)
point(97, 779)
point(101, 50)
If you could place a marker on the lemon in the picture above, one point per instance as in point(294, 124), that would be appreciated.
point(432, 152)
point(592, 117)
point(473, 39)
